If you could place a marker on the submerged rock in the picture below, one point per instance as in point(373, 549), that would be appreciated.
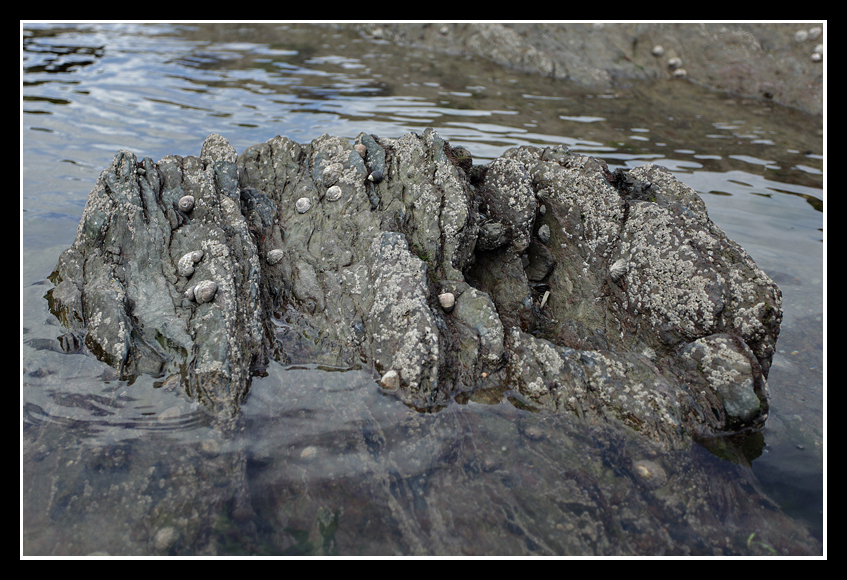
point(620, 265)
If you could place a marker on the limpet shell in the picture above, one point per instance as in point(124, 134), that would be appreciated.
point(649, 473)
point(544, 233)
point(333, 193)
point(376, 176)
point(331, 173)
point(186, 203)
point(303, 205)
point(363, 151)
point(447, 301)
point(205, 291)
point(275, 256)
point(390, 380)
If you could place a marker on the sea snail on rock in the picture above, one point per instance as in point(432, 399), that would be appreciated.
point(186, 263)
point(202, 292)
point(186, 203)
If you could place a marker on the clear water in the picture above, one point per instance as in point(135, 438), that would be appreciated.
point(89, 90)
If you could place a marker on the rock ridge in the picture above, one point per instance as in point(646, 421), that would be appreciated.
point(609, 295)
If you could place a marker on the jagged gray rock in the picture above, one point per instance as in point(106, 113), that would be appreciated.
point(605, 294)
point(120, 286)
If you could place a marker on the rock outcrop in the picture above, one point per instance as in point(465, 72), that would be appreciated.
point(772, 61)
point(574, 288)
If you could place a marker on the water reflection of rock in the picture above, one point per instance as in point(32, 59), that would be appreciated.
point(150, 495)
point(485, 479)
point(323, 462)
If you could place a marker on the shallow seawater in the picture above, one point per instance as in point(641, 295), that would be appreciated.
point(317, 449)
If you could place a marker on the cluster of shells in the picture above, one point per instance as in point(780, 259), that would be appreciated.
point(330, 177)
point(186, 263)
point(674, 64)
point(812, 34)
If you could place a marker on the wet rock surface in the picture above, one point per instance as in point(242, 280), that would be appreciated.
point(607, 325)
point(631, 304)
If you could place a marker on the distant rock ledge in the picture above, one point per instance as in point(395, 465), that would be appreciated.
point(608, 295)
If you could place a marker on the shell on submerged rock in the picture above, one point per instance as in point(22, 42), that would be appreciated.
point(303, 205)
point(649, 473)
point(186, 203)
point(205, 291)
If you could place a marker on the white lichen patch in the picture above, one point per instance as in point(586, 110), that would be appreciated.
point(664, 281)
point(402, 326)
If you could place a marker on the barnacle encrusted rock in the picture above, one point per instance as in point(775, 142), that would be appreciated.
point(610, 295)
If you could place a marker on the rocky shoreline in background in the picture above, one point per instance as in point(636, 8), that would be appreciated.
point(776, 62)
